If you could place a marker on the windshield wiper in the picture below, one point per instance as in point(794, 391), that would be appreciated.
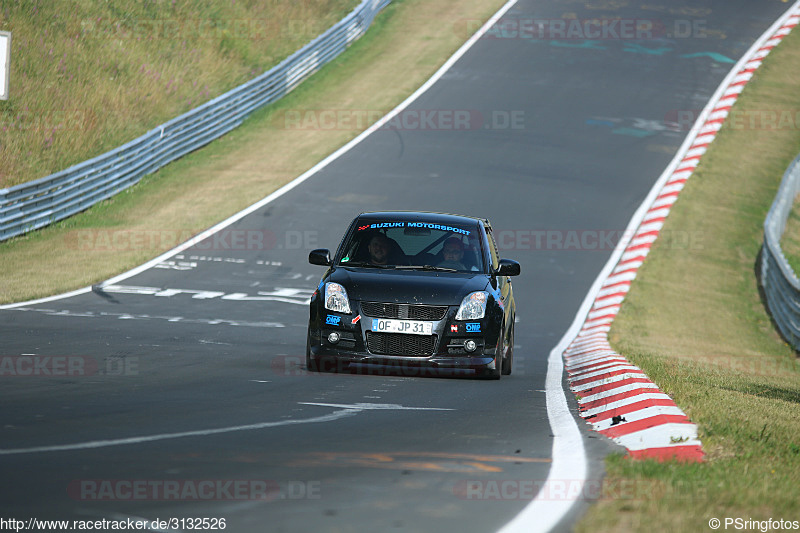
point(364, 264)
point(425, 267)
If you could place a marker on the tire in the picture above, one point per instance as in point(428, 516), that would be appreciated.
point(322, 364)
point(508, 360)
point(491, 375)
point(499, 360)
point(311, 365)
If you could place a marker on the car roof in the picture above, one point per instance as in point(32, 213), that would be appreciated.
point(440, 218)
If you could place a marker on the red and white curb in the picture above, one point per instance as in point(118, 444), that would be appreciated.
point(614, 396)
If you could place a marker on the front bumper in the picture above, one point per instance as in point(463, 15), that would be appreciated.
point(448, 351)
point(341, 358)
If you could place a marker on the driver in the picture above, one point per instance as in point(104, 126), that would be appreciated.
point(453, 253)
point(378, 248)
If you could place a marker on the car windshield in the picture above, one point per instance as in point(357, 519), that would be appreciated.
point(414, 245)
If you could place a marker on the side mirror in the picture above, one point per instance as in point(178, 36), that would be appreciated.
point(507, 267)
point(321, 257)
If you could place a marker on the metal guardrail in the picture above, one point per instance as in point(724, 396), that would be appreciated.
point(781, 286)
point(36, 204)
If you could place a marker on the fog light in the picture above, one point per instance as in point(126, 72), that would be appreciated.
point(470, 345)
point(333, 338)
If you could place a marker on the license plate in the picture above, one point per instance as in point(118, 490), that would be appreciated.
point(413, 327)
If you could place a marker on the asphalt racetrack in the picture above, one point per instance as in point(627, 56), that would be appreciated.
point(192, 371)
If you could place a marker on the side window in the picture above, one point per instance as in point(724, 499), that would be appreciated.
point(352, 251)
point(493, 249)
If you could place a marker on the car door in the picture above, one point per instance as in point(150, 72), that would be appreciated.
point(503, 282)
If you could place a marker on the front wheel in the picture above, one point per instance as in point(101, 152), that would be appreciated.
point(311, 365)
point(499, 361)
point(490, 374)
point(508, 360)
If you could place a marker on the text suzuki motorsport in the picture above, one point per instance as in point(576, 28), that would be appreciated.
point(414, 289)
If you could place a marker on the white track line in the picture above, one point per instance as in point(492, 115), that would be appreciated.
point(336, 415)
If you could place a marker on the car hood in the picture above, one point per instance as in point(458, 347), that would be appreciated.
point(435, 288)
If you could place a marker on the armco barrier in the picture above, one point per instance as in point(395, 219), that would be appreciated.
point(781, 287)
point(36, 204)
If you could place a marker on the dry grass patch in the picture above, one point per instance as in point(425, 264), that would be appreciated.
point(89, 75)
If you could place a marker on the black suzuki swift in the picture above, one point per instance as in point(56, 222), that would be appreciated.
point(417, 289)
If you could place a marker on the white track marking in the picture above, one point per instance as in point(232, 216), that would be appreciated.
point(129, 316)
point(336, 415)
point(618, 390)
point(625, 401)
point(682, 434)
point(641, 414)
point(376, 406)
point(568, 454)
point(345, 410)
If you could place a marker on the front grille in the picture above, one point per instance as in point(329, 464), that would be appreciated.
point(401, 344)
point(404, 311)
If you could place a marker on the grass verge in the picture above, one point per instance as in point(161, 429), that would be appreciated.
point(405, 46)
point(90, 75)
point(695, 323)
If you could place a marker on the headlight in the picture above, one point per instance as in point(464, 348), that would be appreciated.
point(336, 298)
point(473, 306)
